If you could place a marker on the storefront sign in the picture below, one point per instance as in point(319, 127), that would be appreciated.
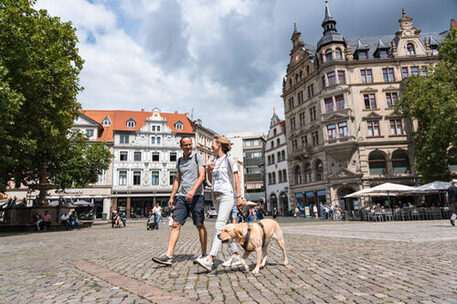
point(309, 194)
point(307, 213)
point(320, 192)
point(299, 194)
point(3, 196)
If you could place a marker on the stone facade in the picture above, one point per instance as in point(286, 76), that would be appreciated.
point(343, 133)
point(277, 176)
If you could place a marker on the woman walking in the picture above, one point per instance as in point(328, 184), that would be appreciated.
point(225, 183)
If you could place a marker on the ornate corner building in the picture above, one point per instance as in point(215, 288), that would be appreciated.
point(343, 133)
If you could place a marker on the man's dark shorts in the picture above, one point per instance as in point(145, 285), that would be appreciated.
point(183, 207)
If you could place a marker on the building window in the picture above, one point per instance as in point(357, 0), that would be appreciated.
point(124, 139)
point(392, 99)
point(331, 78)
point(137, 156)
point(315, 136)
point(304, 141)
point(269, 178)
point(274, 132)
point(278, 155)
point(158, 140)
point(153, 128)
point(123, 156)
point(373, 127)
point(396, 127)
point(312, 113)
point(130, 123)
point(366, 75)
point(404, 72)
point(292, 124)
point(342, 129)
point(122, 178)
point(319, 170)
point(388, 74)
point(278, 142)
point(410, 50)
point(273, 177)
point(294, 145)
point(153, 140)
point(283, 155)
point(435, 51)
point(173, 156)
point(136, 178)
point(172, 177)
point(106, 122)
point(284, 175)
point(155, 177)
point(341, 77)
point(300, 97)
point(308, 70)
point(302, 119)
point(179, 125)
point(400, 162)
point(415, 70)
point(377, 163)
point(323, 82)
point(370, 101)
point(273, 158)
point(363, 55)
point(291, 103)
point(331, 131)
point(310, 90)
point(383, 54)
point(328, 55)
point(90, 132)
point(328, 105)
point(339, 100)
point(424, 71)
point(338, 54)
point(298, 178)
point(155, 156)
point(308, 173)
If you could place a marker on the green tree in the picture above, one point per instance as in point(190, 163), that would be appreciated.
point(39, 66)
point(432, 101)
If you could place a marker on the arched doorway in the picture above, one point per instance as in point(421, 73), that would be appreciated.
point(284, 201)
point(348, 204)
point(273, 202)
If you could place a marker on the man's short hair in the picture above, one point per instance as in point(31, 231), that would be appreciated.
point(182, 138)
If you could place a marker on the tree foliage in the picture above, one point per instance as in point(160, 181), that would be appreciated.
point(39, 84)
point(432, 101)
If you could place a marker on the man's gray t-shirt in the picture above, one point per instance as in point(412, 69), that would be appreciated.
point(188, 168)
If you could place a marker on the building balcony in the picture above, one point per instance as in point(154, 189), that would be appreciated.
point(253, 177)
point(341, 145)
point(302, 153)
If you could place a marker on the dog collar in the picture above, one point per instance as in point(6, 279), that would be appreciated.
point(248, 236)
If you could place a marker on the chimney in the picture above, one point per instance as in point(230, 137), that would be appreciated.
point(453, 24)
point(142, 110)
point(187, 113)
point(176, 112)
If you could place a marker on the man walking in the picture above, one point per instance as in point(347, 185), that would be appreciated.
point(188, 186)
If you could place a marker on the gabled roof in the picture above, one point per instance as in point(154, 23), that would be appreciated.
point(119, 120)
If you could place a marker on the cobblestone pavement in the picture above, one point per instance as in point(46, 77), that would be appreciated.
point(413, 262)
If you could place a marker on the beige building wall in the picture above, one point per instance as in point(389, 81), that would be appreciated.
point(351, 137)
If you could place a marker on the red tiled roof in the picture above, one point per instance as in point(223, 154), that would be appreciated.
point(119, 121)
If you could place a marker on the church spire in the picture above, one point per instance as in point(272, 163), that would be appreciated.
point(330, 34)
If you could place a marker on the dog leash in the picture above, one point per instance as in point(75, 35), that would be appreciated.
point(248, 236)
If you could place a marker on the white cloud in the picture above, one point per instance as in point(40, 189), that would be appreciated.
point(120, 73)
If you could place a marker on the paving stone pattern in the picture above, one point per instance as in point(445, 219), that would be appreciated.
point(328, 265)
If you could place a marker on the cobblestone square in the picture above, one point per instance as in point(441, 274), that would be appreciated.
point(395, 262)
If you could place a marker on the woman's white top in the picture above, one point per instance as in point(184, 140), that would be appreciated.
point(222, 175)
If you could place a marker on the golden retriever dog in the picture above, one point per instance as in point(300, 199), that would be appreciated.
point(257, 240)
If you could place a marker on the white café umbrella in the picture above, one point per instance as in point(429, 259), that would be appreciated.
point(386, 189)
point(433, 187)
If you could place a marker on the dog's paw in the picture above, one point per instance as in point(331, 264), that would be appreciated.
point(255, 271)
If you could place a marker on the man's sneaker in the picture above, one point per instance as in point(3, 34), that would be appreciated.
point(201, 255)
point(452, 222)
point(235, 260)
point(164, 259)
point(205, 262)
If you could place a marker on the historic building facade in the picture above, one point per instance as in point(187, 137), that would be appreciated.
point(343, 133)
point(250, 148)
point(277, 177)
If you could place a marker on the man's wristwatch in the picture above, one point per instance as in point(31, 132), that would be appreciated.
point(237, 196)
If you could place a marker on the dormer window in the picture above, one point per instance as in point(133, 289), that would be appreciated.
point(410, 49)
point(328, 55)
point(106, 122)
point(383, 54)
point(338, 53)
point(363, 55)
point(131, 123)
point(179, 125)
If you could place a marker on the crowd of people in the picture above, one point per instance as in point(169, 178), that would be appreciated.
point(70, 221)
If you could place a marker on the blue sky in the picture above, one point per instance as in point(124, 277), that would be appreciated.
point(223, 60)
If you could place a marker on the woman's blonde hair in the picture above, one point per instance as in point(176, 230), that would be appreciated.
point(225, 143)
